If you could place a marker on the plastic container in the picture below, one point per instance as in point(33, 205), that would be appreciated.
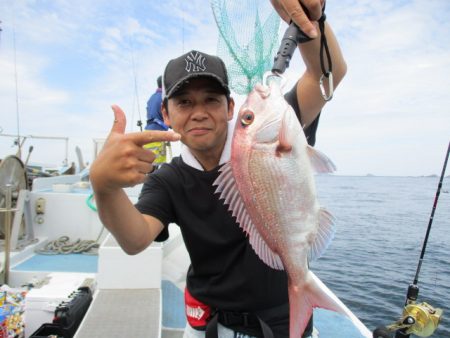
point(3, 319)
point(40, 303)
point(47, 330)
point(62, 187)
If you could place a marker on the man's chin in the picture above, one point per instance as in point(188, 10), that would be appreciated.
point(198, 145)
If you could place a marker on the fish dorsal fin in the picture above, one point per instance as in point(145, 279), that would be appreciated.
point(325, 234)
point(226, 186)
point(320, 162)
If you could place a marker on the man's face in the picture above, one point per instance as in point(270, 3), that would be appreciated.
point(199, 112)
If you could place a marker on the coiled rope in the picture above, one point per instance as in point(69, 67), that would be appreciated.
point(63, 246)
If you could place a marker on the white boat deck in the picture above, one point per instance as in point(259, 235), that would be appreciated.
point(127, 303)
point(123, 313)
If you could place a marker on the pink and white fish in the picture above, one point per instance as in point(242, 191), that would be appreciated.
point(269, 186)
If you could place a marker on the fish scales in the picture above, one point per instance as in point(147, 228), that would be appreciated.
point(271, 191)
point(276, 199)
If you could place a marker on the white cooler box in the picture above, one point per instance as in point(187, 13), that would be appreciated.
point(118, 270)
point(40, 303)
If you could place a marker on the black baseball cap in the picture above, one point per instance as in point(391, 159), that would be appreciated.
point(191, 65)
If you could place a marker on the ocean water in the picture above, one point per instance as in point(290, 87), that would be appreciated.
point(381, 224)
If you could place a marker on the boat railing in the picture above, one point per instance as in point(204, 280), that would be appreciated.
point(20, 142)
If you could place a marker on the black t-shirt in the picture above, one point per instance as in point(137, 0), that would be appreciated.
point(225, 272)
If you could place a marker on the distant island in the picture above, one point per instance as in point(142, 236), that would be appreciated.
point(373, 175)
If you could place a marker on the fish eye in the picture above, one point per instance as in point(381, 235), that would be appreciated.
point(247, 118)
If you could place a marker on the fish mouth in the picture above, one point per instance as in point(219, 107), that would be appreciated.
point(262, 90)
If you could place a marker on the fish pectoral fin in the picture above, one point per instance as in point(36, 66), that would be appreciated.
point(283, 148)
point(286, 134)
point(325, 234)
point(319, 161)
point(227, 187)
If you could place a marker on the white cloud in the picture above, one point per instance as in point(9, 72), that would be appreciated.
point(389, 116)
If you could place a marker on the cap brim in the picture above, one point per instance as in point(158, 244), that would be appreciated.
point(183, 80)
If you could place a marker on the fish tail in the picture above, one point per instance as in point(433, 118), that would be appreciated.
point(313, 293)
point(300, 310)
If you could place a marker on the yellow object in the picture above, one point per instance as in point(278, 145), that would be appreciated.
point(427, 318)
point(40, 206)
point(159, 148)
point(2, 298)
point(418, 319)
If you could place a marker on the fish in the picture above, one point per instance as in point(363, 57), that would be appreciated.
point(269, 187)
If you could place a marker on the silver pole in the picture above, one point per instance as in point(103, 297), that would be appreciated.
point(7, 231)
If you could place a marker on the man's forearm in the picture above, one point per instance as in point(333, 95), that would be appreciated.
point(309, 92)
point(124, 221)
point(310, 52)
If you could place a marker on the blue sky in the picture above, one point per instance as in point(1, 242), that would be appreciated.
point(390, 116)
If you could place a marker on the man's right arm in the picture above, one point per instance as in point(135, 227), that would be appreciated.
point(132, 230)
point(123, 162)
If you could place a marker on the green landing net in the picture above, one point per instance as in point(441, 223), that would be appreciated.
point(248, 40)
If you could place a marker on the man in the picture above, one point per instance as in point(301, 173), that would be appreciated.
point(155, 122)
point(244, 295)
point(154, 118)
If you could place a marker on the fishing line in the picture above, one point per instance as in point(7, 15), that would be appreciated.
point(1, 30)
point(1, 33)
point(136, 92)
point(19, 145)
point(180, 5)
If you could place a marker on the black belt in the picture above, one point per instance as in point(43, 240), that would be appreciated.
point(251, 324)
point(237, 318)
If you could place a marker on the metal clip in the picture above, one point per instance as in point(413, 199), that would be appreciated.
point(329, 76)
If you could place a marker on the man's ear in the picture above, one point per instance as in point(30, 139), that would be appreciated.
point(230, 109)
point(165, 115)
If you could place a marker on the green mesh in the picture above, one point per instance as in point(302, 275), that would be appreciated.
point(248, 40)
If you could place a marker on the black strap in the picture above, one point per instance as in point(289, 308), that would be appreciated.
point(231, 318)
point(266, 330)
point(211, 327)
point(324, 46)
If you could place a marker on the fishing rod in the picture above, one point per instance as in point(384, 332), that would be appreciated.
point(419, 319)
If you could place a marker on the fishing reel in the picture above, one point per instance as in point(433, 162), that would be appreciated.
point(418, 319)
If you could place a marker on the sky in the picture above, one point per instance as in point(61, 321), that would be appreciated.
point(64, 63)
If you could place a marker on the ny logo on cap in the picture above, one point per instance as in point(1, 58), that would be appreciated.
point(195, 62)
